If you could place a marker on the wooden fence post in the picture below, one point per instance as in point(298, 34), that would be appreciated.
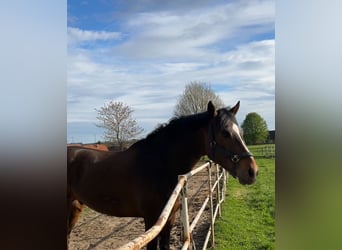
point(211, 207)
point(225, 180)
point(218, 190)
point(185, 215)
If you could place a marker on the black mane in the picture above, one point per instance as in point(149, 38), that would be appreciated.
point(177, 127)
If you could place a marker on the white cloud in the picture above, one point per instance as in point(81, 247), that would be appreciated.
point(153, 91)
point(180, 35)
point(76, 35)
point(163, 51)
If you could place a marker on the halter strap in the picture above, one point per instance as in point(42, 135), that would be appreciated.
point(235, 158)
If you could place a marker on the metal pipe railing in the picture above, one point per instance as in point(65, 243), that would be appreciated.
point(181, 189)
point(150, 234)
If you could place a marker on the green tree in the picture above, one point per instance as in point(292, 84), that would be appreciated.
point(254, 129)
point(195, 99)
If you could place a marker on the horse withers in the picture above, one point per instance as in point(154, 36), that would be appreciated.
point(137, 182)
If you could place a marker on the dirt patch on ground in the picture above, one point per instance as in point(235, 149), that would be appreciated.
point(98, 231)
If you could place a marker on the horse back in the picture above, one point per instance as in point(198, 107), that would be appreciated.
point(78, 158)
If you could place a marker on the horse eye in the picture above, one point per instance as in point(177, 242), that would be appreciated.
point(225, 134)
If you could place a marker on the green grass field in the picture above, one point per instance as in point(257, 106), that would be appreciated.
point(248, 214)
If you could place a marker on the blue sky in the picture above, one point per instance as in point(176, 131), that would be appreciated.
point(143, 53)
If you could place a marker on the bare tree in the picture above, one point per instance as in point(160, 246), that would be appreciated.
point(116, 119)
point(195, 99)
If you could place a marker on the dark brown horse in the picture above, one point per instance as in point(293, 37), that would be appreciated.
point(137, 182)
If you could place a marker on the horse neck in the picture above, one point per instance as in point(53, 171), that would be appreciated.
point(187, 153)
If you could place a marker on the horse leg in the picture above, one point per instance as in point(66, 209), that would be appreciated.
point(74, 215)
point(164, 243)
point(152, 245)
point(68, 214)
point(74, 209)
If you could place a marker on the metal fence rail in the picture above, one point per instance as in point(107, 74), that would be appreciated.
point(268, 151)
point(150, 234)
point(219, 186)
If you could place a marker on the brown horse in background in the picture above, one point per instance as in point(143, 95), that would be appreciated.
point(137, 182)
point(92, 152)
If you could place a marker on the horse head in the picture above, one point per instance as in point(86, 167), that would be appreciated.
point(226, 144)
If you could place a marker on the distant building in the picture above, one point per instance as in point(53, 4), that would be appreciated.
point(271, 136)
point(98, 146)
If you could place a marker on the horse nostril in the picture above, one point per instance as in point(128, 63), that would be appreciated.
point(252, 173)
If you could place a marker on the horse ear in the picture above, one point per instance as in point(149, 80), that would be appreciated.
point(235, 109)
point(211, 109)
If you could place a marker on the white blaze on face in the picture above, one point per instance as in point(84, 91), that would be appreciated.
point(238, 135)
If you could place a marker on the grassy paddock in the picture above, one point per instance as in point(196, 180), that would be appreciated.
point(248, 214)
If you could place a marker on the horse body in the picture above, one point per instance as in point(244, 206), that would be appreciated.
point(137, 182)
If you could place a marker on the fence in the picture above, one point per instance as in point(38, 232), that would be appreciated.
point(218, 188)
point(264, 151)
